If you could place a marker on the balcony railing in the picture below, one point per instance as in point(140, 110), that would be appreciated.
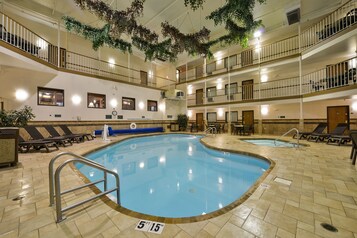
point(332, 76)
point(24, 39)
point(339, 20)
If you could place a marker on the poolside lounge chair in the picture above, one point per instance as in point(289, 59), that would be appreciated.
point(54, 133)
point(25, 146)
point(318, 129)
point(35, 134)
point(339, 139)
point(338, 131)
point(67, 131)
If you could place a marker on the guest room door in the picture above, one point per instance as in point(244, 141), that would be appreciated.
point(337, 114)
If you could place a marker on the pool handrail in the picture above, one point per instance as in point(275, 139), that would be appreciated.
point(297, 138)
point(55, 186)
point(212, 130)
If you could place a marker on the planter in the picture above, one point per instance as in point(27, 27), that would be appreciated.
point(8, 146)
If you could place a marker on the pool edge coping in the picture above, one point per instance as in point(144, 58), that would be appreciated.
point(181, 220)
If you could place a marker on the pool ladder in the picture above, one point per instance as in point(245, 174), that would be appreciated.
point(212, 130)
point(55, 185)
point(297, 137)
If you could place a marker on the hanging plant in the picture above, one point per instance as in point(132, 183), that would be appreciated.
point(236, 15)
point(98, 36)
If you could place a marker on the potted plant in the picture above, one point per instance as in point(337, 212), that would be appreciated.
point(16, 118)
point(10, 121)
point(182, 120)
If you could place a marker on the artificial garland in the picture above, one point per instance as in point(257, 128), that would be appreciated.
point(98, 36)
point(236, 15)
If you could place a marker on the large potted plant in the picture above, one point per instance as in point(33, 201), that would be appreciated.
point(10, 121)
point(182, 120)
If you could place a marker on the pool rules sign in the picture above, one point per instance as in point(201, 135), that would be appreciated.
point(150, 226)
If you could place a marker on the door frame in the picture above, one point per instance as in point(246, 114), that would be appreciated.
point(199, 90)
point(348, 116)
point(252, 120)
point(200, 126)
point(251, 89)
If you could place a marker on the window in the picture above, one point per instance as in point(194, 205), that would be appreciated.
point(152, 106)
point(234, 116)
point(211, 117)
point(211, 92)
point(232, 90)
point(128, 103)
point(50, 97)
point(95, 100)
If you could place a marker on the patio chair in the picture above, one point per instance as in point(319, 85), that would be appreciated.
point(54, 133)
point(67, 131)
point(338, 131)
point(36, 135)
point(25, 146)
point(318, 129)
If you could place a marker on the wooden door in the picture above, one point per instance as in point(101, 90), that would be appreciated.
point(199, 96)
point(53, 56)
point(199, 121)
point(143, 77)
point(247, 57)
point(248, 118)
point(337, 114)
point(247, 89)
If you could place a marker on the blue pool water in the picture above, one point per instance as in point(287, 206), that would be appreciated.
point(175, 175)
point(271, 143)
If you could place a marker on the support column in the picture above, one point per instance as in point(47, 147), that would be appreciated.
point(301, 114)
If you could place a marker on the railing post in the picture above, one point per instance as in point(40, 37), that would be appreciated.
point(58, 195)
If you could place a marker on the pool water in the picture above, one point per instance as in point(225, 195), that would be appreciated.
point(272, 143)
point(175, 175)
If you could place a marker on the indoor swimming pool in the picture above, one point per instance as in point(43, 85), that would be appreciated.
point(175, 175)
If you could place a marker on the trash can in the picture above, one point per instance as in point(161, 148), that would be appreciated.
point(9, 137)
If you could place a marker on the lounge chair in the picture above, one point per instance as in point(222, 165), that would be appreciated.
point(318, 129)
point(338, 131)
point(67, 131)
point(36, 135)
point(25, 146)
point(54, 134)
point(339, 139)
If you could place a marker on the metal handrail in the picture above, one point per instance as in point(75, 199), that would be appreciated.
point(211, 129)
point(55, 185)
point(297, 137)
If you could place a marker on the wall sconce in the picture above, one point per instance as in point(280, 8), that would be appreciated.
point(264, 78)
point(162, 107)
point(111, 62)
point(141, 105)
point(189, 113)
point(264, 110)
point(220, 112)
point(354, 106)
point(113, 103)
point(189, 89)
point(21, 94)
point(76, 100)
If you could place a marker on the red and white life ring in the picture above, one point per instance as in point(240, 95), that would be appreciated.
point(133, 126)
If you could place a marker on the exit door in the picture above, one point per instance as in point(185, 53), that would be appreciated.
point(337, 114)
point(248, 118)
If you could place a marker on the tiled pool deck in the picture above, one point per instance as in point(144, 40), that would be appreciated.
point(323, 189)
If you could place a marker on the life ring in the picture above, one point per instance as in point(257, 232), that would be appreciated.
point(133, 126)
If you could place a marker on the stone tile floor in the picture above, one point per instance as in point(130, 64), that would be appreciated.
point(323, 189)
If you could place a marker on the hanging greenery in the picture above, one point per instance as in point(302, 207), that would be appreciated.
point(194, 4)
point(98, 37)
point(236, 15)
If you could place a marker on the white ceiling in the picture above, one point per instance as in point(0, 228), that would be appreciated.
point(273, 13)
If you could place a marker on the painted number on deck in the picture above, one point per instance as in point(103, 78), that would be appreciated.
point(150, 226)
